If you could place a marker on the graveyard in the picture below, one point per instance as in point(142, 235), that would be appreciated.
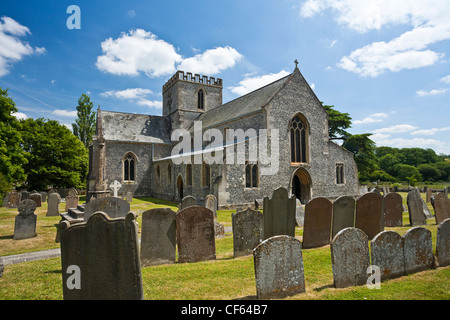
point(226, 274)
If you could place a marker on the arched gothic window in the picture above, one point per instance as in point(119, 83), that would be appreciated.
point(299, 140)
point(129, 168)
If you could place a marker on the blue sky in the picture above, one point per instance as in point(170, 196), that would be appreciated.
point(386, 63)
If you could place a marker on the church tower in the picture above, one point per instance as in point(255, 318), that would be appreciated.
point(186, 96)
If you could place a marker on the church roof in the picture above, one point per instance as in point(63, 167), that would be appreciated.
point(131, 127)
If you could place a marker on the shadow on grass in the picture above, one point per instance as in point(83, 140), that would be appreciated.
point(7, 237)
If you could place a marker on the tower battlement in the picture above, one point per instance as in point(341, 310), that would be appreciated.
point(196, 78)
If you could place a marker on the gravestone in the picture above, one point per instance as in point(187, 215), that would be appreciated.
point(279, 214)
point(415, 208)
point(36, 197)
point(343, 214)
point(112, 206)
point(299, 213)
point(2, 267)
point(429, 194)
point(71, 199)
point(247, 231)
point(375, 190)
point(195, 234)
point(129, 196)
point(43, 196)
point(54, 200)
point(279, 269)
point(25, 222)
point(387, 253)
point(211, 204)
point(115, 186)
point(441, 206)
point(443, 243)
point(188, 201)
point(418, 250)
point(317, 225)
point(25, 195)
point(104, 252)
point(158, 237)
point(14, 200)
point(393, 210)
point(350, 258)
point(369, 215)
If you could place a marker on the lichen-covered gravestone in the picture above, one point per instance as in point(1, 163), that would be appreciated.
point(415, 208)
point(211, 204)
point(36, 197)
point(25, 222)
point(443, 243)
point(350, 257)
point(418, 250)
point(114, 207)
point(370, 214)
point(158, 237)
point(100, 259)
point(387, 253)
point(195, 234)
point(441, 205)
point(247, 231)
point(317, 224)
point(279, 214)
point(188, 201)
point(53, 204)
point(393, 210)
point(279, 269)
point(14, 199)
point(343, 214)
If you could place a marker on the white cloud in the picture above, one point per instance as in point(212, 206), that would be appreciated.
point(19, 115)
point(65, 113)
point(151, 104)
point(398, 128)
point(131, 13)
point(430, 132)
point(446, 79)
point(12, 49)
point(211, 61)
point(436, 145)
point(433, 92)
point(376, 117)
point(127, 94)
point(252, 83)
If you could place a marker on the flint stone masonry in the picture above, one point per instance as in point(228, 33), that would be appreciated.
point(343, 214)
point(195, 234)
point(158, 237)
point(317, 225)
point(443, 243)
point(415, 208)
point(387, 253)
point(112, 206)
point(393, 210)
point(418, 250)
point(25, 221)
point(370, 214)
point(441, 205)
point(350, 258)
point(279, 214)
point(54, 200)
point(247, 231)
point(279, 269)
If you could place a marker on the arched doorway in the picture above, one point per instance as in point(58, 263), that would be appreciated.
point(301, 185)
point(180, 187)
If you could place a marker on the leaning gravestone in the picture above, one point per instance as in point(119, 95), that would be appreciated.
point(247, 231)
point(415, 208)
point(370, 214)
point(441, 205)
point(317, 225)
point(36, 197)
point(158, 237)
point(188, 201)
point(14, 199)
point(350, 258)
point(279, 269)
point(393, 210)
point(299, 213)
point(387, 253)
point(211, 203)
point(195, 234)
point(53, 204)
point(103, 253)
point(112, 206)
point(2, 267)
point(279, 214)
point(443, 243)
point(418, 250)
point(343, 214)
point(25, 222)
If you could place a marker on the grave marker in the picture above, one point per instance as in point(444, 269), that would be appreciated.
point(211, 204)
point(53, 204)
point(415, 208)
point(370, 214)
point(115, 186)
point(418, 249)
point(387, 253)
point(441, 205)
point(112, 206)
point(25, 221)
point(393, 210)
point(247, 231)
point(188, 201)
point(279, 214)
point(317, 225)
point(443, 243)
point(14, 199)
point(343, 214)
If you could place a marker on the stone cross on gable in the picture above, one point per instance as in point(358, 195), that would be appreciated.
point(115, 186)
point(296, 63)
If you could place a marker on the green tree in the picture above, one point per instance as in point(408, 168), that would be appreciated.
point(407, 172)
point(388, 163)
point(428, 171)
point(363, 149)
point(337, 123)
point(84, 126)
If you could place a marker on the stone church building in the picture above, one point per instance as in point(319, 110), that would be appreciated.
point(136, 149)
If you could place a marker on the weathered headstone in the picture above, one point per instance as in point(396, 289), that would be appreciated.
point(429, 194)
point(279, 214)
point(375, 190)
point(350, 258)
point(25, 195)
point(415, 208)
point(43, 196)
point(14, 199)
point(393, 210)
point(443, 243)
point(195, 234)
point(2, 267)
point(387, 253)
point(279, 269)
point(370, 214)
point(299, 213)
point(418, 249)
point(54, 200)
point(317, 225)
point(188, 201)
point(247, 231)
point(211, 204)
point(25, 222)
point(112, 206)
point(158, 237)
point(441, 206)
point(71, 201)
point(103, 253)
point(129, 196)
point(343, 214)
point(36, 197)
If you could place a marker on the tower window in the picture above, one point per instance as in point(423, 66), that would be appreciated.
point(201, 99)
point(339, 173)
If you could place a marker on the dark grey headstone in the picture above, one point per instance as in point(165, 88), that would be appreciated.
point(317, 225)
point(418, 249)
point(370, 214)
point(188, 201)
point(279, 214)
point(443, 243)
point(25, 195)
point(387, 253)
point(279, 267)
point(393, 210)
point(441, 206)
point(195, 234)
point(158, 237)
point(106, 252)
point(114, 207)
point(350, 258)
point(415, 208)
point(247, 231)
point(25, 221)
point(343, 214)
point(53, 202)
